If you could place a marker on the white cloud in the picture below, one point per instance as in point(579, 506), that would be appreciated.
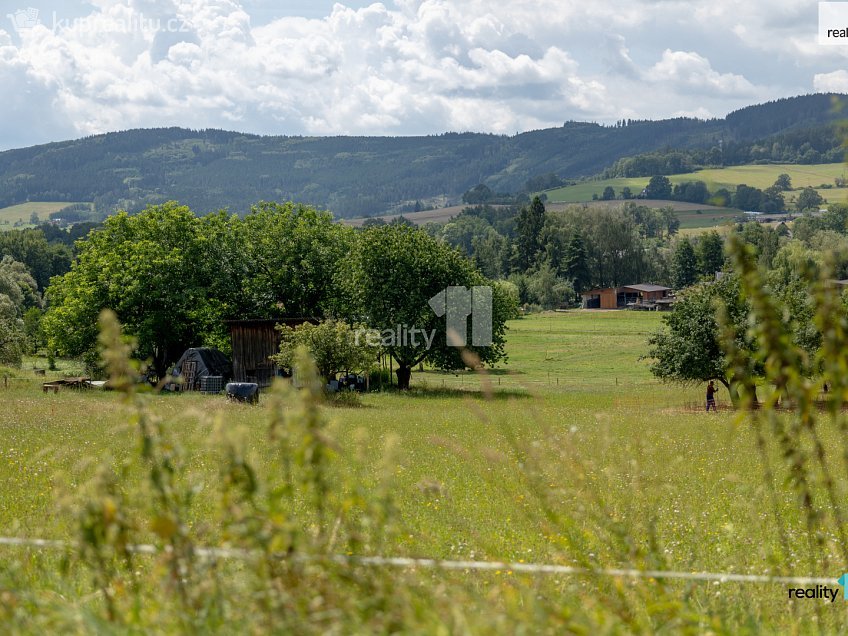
point(402, 67)
point(836, 82)
point(695, 73)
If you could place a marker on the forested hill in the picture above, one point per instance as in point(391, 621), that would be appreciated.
point(354, 176)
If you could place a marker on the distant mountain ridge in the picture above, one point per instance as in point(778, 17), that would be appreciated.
point(355, 176)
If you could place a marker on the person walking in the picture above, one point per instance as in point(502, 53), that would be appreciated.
point(711, 390)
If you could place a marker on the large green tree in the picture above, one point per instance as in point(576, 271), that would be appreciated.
point(12, 334)
point(152, 270)
point(783, 182)
point(491, 253)
point(710, 253)
point(17, 284)
point(291, 255)
point(687, 348)
point(575, 263)
point(659, 187)
point(18, 290)
point(809, 199)
point(684, 264)
point(531, 221)
point(747, 197)
point(391, 277)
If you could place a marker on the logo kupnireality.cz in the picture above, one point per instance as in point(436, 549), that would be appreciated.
point(460, 302)
point(822, 592)
point(24, 19)
point(456, 304)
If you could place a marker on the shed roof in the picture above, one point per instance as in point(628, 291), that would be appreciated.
point(209, 362)
point(647, 288)
point(597, 291)
point(290, 320)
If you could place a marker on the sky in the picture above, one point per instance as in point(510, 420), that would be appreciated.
point(401, 67)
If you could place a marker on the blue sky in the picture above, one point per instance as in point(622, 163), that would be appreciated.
point(402, 67)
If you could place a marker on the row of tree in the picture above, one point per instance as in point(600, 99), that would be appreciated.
point(805, 145)
point(551, 257)
point(744, 197)
point(30, 258)
point(173, 279)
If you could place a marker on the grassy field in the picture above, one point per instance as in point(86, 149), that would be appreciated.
point(22, 213)
point(760, 176)
point(440, 215)
point(579, 456)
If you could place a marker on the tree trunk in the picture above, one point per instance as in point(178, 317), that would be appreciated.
point(160, 366)
point(731, 391)
point(403, 375)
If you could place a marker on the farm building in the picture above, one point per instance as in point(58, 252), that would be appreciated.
point(254, 342)
point(197, 364)
point(641, 296)
point(601, 298)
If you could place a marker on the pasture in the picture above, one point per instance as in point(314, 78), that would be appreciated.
point(439, 215)
point(692, 216)
point(22, 213)
point(759, 176)
point(578, 457)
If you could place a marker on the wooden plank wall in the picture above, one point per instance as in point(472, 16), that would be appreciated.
point(252, 345)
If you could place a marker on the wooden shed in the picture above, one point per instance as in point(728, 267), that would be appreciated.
point(600, 298)
point(641, 296)
point(646, 296)
point(254, 342)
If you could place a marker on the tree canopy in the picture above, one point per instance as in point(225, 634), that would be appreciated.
point(394, 274)
point(684, 264)
point(290, 255)
point(334, 345)
point(710, 253)
point(687, 349)
point(659, 187)
point(531, 221)
point(152, 271)
point(18, 290)
point(173, 279)
point(809, 199)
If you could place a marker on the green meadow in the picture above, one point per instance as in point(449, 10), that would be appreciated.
point(759, 176)
point(571, 454)
point(22, 213)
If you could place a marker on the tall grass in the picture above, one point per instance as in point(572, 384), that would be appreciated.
point(809, 435)
point(563, 477)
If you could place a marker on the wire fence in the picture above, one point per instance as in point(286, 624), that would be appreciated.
point(449, 565)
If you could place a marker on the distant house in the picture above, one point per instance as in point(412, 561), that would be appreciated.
point(600, 298)
point(641, 296)
point(649, 296)
point(254, 342)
